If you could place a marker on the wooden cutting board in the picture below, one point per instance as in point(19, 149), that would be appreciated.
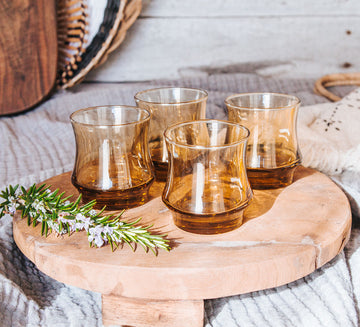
point(287, 233)
point(28, 53)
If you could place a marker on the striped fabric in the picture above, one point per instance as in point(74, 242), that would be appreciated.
point(40, 143)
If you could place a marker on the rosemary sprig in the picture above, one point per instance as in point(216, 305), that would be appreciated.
point(57, 214)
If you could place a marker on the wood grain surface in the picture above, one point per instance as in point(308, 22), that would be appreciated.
point(149, 313)
point(293, 39)
point(287, 234)
point(28, 53)
point(228, 8)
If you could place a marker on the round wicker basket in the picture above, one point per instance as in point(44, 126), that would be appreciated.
point(333, 80)
point(76, 56)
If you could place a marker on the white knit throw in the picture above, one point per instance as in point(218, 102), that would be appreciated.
point(329, 136)
point(40, 144)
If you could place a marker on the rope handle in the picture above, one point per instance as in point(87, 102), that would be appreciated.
point(334, 80)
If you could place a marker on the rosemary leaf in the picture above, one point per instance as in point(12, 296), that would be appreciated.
point(57, 214)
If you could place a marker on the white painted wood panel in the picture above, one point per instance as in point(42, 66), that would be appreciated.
point(236, 8)
point(304, 38)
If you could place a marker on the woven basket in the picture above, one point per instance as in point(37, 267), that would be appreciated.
point(334, 80)
point(76, 58)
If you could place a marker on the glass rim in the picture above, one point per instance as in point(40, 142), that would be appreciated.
point(204, 93)
point(297, 101)
point(135, 122)
point(190, 122)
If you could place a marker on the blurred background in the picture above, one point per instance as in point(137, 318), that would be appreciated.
point(279, 38)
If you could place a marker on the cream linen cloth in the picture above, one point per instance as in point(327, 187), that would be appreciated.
point(40, 143)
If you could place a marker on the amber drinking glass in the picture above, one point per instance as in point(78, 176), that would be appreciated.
point(113, 163)
point(272, 151)
point(168, 106)
point(207, 186)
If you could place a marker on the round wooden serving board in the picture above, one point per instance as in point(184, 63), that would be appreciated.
point(287, 233)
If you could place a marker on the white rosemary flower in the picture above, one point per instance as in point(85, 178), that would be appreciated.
point(83, 222)
point(80, 217)
point(38, 206)
point(51, 225)
point(54, 226)
point(92, 212)
point(12, 209)
point(108, 230)
point(18, 192)
point(87, 223)
point(95, 235)
point(75, 225)
point(62, 217)
point(41, 206)
point(13, 205)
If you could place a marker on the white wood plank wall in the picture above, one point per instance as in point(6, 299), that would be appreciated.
point(297, 38)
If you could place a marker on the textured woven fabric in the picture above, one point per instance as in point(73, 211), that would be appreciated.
point(40, 143)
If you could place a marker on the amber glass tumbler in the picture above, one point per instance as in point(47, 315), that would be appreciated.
point(207, 186)
point(168, 106)
point(272, 151)
point(113, 163)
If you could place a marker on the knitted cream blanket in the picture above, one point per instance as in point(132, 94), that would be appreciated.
point(40, 144)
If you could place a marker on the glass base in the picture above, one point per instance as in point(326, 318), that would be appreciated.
point(116, 199)
point(208, 223)
point(261, 179)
